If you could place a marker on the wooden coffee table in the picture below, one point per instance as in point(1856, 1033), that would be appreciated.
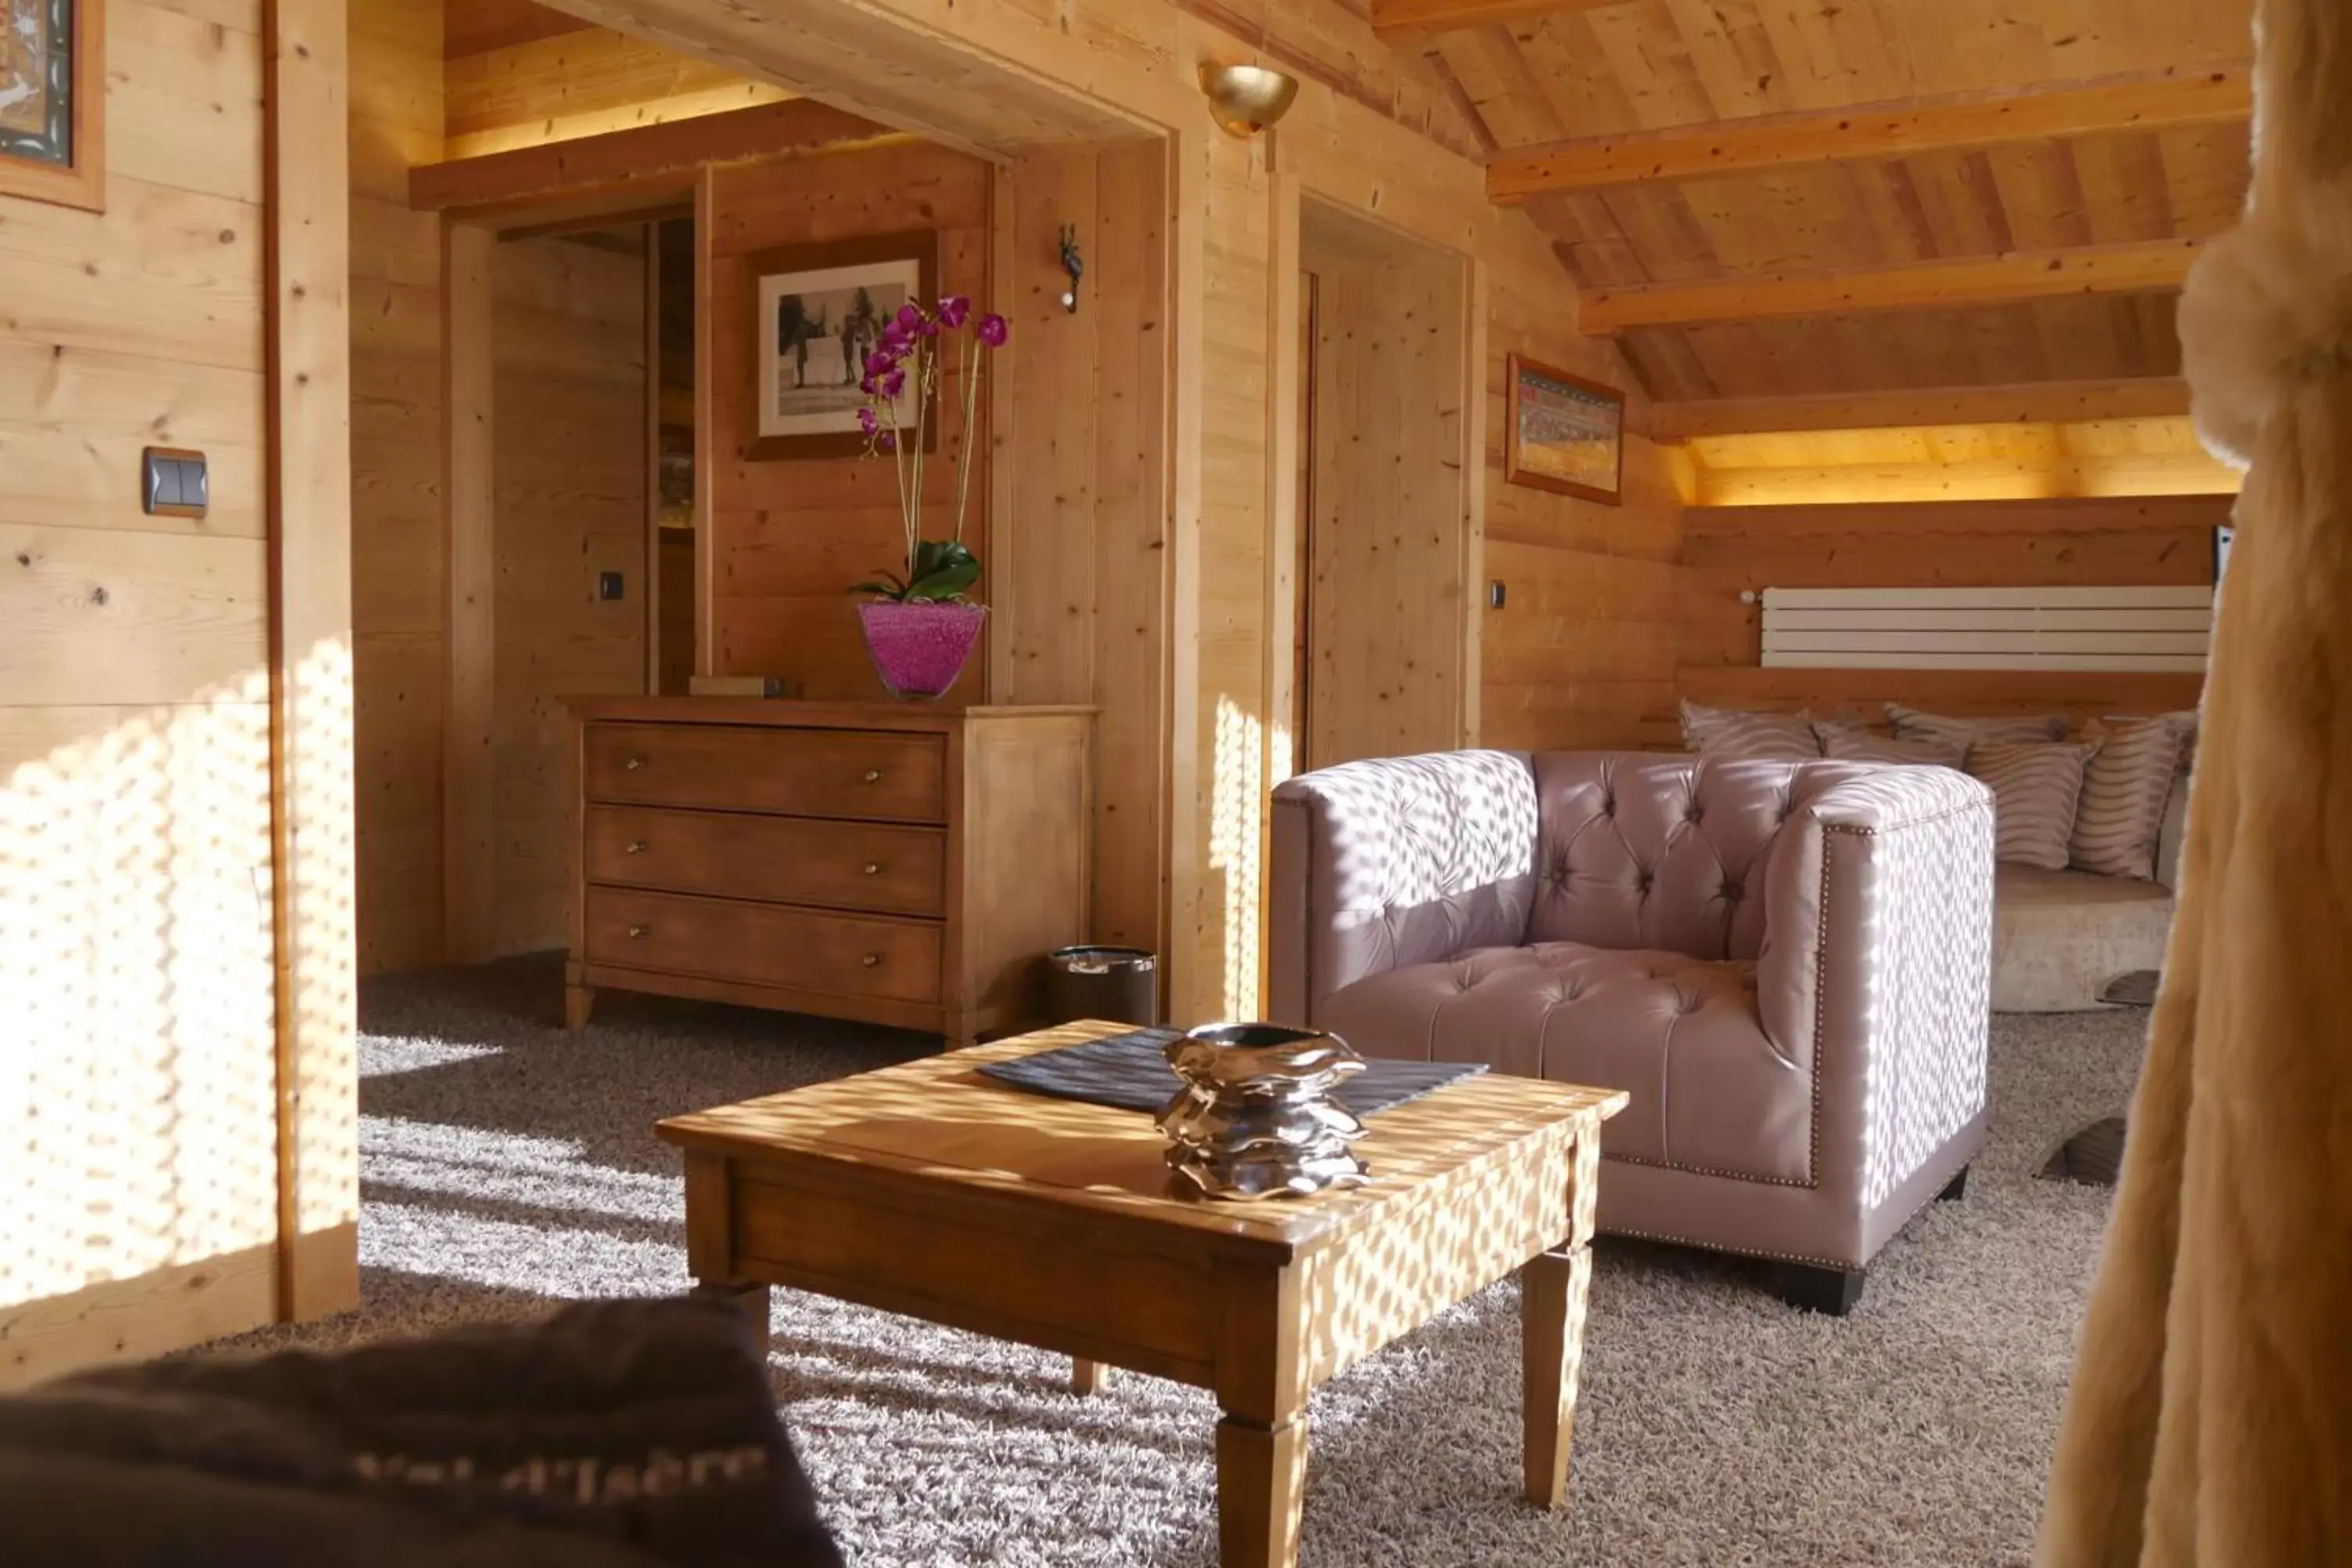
point(931, 1190)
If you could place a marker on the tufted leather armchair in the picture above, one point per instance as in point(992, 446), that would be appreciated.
point(1788, 964)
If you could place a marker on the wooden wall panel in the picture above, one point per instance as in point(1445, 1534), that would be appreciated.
point(138, 1116)
point(1983, 544)
point(1078, 564)
point(1582, 653)
point(399, 616)
point(789, 537)
point(569, 487)
point(1223, 586)
point(1386, 541)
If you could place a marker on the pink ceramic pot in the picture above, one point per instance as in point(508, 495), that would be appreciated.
point(919, 649)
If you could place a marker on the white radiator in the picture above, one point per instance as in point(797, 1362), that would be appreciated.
point(1988, 628)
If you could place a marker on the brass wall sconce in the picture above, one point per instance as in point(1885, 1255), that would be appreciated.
point(1247, 99)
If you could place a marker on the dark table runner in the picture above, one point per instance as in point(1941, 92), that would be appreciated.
point(1128, 1071)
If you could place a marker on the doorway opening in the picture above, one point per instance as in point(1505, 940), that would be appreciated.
point(576, 436)
point(1384, 538)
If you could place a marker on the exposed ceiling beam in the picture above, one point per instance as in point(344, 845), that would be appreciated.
point(2145, 267)
point(1406, 18)
point(2026, 402)
point(1772, 143)
point(651, 160)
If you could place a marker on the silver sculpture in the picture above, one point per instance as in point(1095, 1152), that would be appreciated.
point(1256, 1117)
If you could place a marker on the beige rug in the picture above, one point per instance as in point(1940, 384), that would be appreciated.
point(507, 1166)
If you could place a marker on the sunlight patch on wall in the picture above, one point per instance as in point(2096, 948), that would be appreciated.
point(1234, 840)
point(324, 994)
point(138, 1113)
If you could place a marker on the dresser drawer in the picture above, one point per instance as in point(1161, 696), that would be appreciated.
point(812, 772)
point(787, 859)
point(766, 944)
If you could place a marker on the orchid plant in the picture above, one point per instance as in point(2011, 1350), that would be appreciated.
point(913, 349)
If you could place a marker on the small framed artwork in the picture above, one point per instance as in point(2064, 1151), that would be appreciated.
point(817, 312)
point(53, 102)
point(1564, 433)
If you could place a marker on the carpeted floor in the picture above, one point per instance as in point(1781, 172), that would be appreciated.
point(507, 1164)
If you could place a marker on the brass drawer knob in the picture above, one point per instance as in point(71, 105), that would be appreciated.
point(874, 775)
point(639, 930)
point(634, 764)
point(635, 846)
point(871, 960)
point(874, 868)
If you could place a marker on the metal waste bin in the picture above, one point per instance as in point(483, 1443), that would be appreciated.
point(1117, 983)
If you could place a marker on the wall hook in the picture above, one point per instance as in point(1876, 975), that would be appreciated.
point(1074, 264)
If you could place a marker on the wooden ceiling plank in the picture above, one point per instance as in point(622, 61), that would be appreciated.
point(1951, 283)
point(2051, 402)
point(1394, 20)
point(2220, 95)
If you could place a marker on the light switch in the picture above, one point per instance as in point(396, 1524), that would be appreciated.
point(173, 482)
point(609, 586)
point(1494, 594)
point(196, 484)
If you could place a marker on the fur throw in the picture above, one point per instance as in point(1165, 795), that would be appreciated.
point(2210, 1424)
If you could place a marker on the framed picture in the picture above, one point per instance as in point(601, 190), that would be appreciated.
point(817, 312)
point(53, 102)
point(1566, 434)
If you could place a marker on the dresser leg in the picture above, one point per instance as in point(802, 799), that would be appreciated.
point(1088, 1376)
point(579, 1000)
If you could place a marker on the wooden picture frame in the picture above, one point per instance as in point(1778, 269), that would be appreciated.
point(893, 266)
point(1587, 412)
point(54, 151)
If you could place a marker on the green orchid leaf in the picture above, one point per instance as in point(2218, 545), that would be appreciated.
point(946, 583)
point(941, 570)
point(890, 587)
point(937, 556)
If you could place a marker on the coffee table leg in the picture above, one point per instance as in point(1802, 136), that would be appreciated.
point(1088, 1376)
point(751, 1301)
point(1261, 1481)
point(1553, 1289)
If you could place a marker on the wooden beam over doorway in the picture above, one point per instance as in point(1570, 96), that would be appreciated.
point(2140, 267)
point(1777, 142)
point(647, 164)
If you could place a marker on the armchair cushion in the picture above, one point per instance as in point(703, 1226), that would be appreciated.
point(1711, 1093)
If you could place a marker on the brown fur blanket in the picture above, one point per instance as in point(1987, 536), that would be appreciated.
point(2210, 1419)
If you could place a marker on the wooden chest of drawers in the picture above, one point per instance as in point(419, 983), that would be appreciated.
point(882, 862)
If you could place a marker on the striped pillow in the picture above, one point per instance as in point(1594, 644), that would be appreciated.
point(1852, 743)
point(2123, 793)
point(1767, 737)
point(2035, 785)
point(1911, 725)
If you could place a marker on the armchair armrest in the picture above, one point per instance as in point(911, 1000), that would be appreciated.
point(1876, 972)
point(1401, 860)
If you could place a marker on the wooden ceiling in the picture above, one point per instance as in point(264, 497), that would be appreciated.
point(1769, 199)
